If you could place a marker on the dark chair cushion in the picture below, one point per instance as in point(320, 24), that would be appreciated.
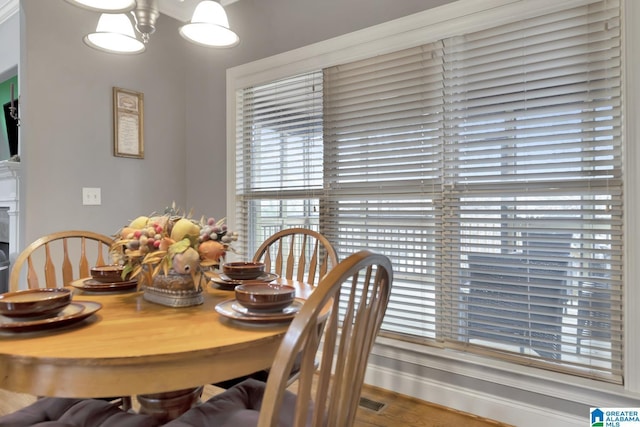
point(60, 412)
point(238, 406)
point(259, 376)
point(262, 375)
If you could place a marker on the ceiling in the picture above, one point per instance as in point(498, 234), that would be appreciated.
point(177, 9)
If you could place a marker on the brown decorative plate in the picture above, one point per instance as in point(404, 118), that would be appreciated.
point(232, 310)
point(92, 285)
point(224, 282)
point(74, 312)
point(291, 309)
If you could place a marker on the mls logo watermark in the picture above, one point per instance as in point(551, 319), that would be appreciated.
point(615, 417)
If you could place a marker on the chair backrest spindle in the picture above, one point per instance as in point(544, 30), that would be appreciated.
point(67, 269)
point(32, 277)
point(49, 268)
point(84, 264)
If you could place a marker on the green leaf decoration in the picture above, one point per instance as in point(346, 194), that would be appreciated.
point(126, 270)
point(179, 247)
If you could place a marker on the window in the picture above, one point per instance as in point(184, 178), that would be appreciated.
point(487, 166)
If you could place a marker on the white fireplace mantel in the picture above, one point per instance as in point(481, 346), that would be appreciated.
point(10, 199)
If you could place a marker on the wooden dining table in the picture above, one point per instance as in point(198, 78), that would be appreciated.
point(131, 346)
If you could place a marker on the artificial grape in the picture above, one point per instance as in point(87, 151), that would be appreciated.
point(215, 229)
point(211, 221)
point(143, 240)
point(213, 236)
point(224, 227)
point(133, 245)
point(204, 237)
point(226, 239)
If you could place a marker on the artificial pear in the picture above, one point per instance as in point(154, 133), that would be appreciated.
point(184, 228)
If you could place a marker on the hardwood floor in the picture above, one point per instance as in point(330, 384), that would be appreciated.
point(401, 410)
point(10, 402)
point(397, 410)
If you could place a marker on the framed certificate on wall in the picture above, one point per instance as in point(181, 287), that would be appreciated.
point(128, 123)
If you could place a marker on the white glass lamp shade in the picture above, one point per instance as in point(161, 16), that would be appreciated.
point(106, 6)
point(114, 34)
point(209, 26)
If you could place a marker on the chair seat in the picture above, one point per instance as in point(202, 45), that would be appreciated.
point(62, 412)
point(239, 406)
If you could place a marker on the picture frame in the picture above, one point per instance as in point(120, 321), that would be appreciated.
point(128, 123)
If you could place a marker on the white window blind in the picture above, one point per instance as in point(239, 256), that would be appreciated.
point(279, 157)
point(487, 166)
point(533, 175)
point(384, 155)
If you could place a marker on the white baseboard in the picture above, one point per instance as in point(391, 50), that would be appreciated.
point(482, 404)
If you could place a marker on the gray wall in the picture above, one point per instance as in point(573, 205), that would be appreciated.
point(66, 133)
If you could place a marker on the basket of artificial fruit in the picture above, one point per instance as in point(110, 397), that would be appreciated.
point(169, 254)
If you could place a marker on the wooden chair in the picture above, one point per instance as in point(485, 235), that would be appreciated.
point(357, 291)
point(46, 255)
point(297, 254)
point(38, 257)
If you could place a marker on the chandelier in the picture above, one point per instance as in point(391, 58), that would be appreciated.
point(125, 26)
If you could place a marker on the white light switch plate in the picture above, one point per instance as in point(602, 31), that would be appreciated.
point(91, 196)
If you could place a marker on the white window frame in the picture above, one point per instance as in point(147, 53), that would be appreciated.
point(420, 28)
